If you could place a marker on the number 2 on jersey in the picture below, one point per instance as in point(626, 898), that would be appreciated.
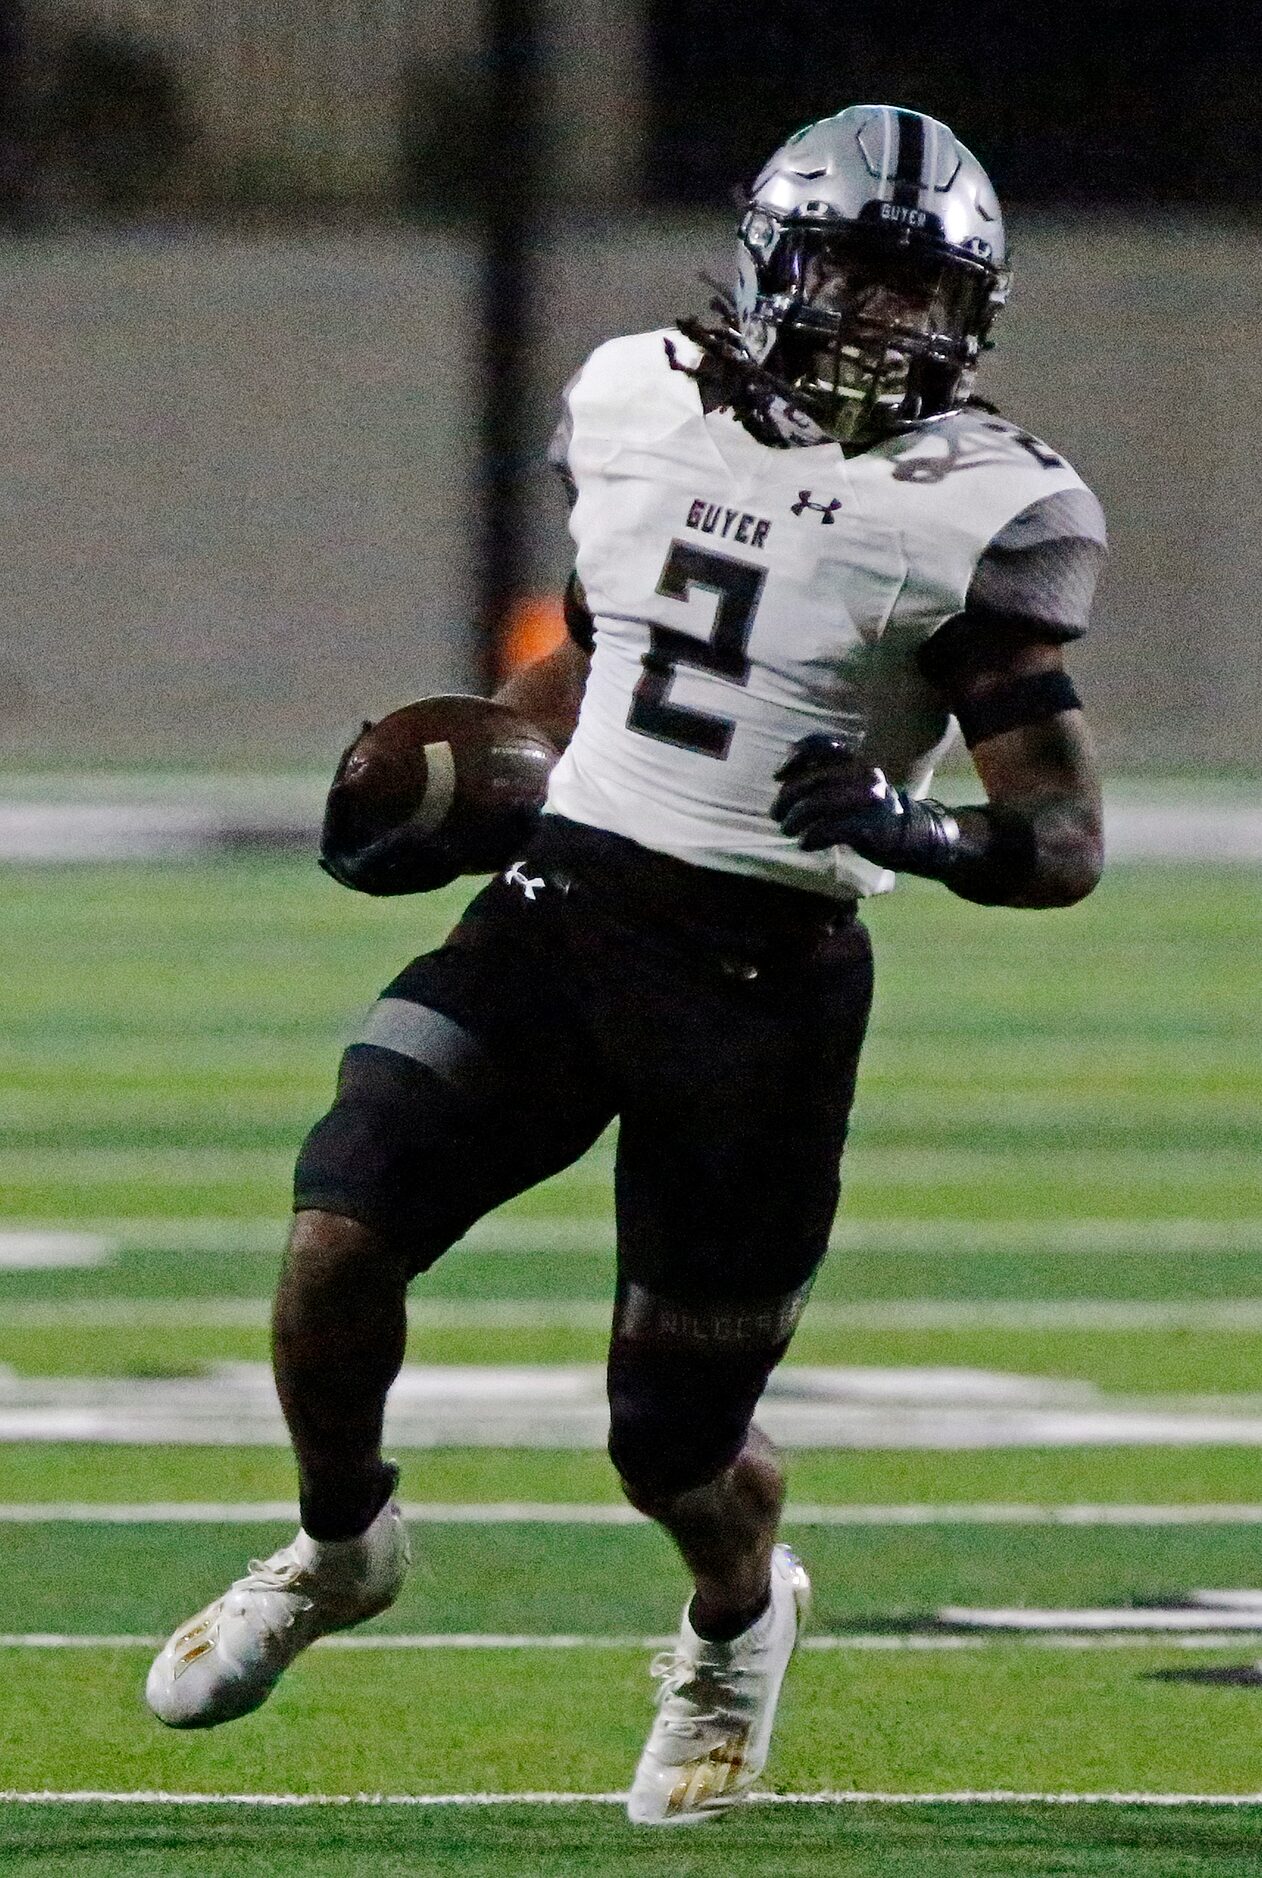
point(739, 588)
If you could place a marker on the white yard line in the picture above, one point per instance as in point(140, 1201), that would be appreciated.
point(566, 1513)
point(563, 1405)
point(512, 1234)
point(1238, 1315)
point(136, 1314)
point(157, 1233)
point(836, 1797)
point(1226, 1316)
point(1183, 1620)
point(1174, 1169)
point(38, 1250)
point(862, 1642)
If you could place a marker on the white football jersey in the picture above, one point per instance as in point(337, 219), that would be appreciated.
point(744, 596)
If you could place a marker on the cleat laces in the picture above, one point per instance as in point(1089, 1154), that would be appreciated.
point(694, 1700)
point(279, 1575)
point(269, 1574)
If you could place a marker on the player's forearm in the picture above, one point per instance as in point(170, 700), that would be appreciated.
point(550, 692)
point(1045, 776)
point(1063, 860)
point(1036, 842)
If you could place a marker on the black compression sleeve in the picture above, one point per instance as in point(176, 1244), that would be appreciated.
point(1030, 698)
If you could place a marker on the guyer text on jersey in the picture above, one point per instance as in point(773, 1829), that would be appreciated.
point(711, 518)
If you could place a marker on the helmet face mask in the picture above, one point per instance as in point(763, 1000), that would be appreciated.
point(870, 269)
point(870, 336)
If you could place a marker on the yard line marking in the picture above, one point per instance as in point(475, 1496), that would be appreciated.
point(259, 1512)
point(157, 1233)
point(1001, 1513)
point(1188, 1620)
point(1174, 1169)
point(1226, 1637)
point(512, 1234)
point(838, 1797)
point(136, 1314)
point(64, 1640)
point(1233, 1315)
point(1227, 1316)
point(1007, 1797)
point(35, 1250)
point(530, 1406)
point(614, 1513)
point(63, 818)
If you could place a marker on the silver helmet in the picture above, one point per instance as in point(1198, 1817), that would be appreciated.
point(871, 265)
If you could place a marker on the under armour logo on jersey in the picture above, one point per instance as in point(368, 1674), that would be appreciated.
point(826, 509)
point(517, 875)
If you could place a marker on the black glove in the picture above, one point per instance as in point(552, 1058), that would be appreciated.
point(830, 796)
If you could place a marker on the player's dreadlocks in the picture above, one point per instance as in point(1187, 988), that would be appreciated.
point(731, 380)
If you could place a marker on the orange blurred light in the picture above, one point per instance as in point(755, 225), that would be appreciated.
point(535, 626)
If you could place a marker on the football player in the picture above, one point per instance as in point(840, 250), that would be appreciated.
point(805, 553)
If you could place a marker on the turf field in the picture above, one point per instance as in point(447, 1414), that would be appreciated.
point(1052, 1181)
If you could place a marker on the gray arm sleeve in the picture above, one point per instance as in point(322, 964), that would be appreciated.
point(1042, 566)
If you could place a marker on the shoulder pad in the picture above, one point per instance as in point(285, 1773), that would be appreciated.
point(976, 440)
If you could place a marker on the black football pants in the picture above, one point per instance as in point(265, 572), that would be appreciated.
point(718, 1017)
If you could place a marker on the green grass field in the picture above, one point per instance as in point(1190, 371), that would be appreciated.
point(1052, 1174)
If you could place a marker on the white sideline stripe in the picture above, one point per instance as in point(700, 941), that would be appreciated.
point(1238, 1316)
point(566, 1513)
point(1226, 1637)
point(838, 1797)
point(510, 1234)
point(139, 818)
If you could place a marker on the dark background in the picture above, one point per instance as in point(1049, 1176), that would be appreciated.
point(1120, 103)
point(1073, 103)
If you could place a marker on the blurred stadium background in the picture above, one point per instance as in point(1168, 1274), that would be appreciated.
point(290, 293)
point(246, 312)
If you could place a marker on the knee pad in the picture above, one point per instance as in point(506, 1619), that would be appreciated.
point(676, 1422)
point(366, 1159)
point(684, 1381)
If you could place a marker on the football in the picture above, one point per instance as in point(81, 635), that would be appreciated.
point(449, 785)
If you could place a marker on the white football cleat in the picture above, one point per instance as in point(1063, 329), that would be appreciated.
point(228, 1659)
point(716, 1708)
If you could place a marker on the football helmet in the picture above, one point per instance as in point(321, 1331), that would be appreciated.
point(871, 264)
